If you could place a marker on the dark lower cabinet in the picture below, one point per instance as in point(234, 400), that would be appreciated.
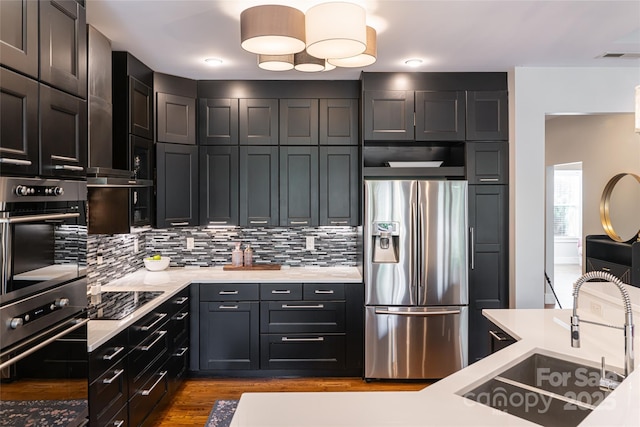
point(303, 351)
point(259, 186)
point(339, 185)
point(488, 271)
point(219, 181)
point(19, 37)
point(298, 186)
point(63, 134)
point(18, 121)
point(498, 339)
point(177, 185)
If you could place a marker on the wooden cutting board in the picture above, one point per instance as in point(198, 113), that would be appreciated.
point(252, 267)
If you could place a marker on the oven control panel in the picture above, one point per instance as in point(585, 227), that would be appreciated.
point(38, 190)
point(38, 312)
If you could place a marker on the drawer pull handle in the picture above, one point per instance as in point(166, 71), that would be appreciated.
point(182, 316)
point(339, 222)
point(276, 291)
point(114, 377)
point(118, 423)
point(299, 222)
point(182, 300)
point(174, 224)
point(218, 222)
point(160, 317)
point(323, 292)
point(69, 167)
point(302, 306)
point(148, 347)
point(228, 293)
point(148, 391)
point(499, 336)
point(183, 350)
point(117, 351)
point(489, 179)
point(228, 307)
point(15, 161)
point(606, 269)
point(314, 339)
point(258, 222)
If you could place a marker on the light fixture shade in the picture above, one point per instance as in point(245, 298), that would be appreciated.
point(275, 62)
point(328, 66)
point(302, 61)
point(638, 109)
point(366, 58)
point(272, 30)
point(336, 30)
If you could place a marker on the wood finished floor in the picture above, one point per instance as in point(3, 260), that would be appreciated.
point(192, 403)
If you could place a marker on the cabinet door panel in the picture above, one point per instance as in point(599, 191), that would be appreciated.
point(177, 186)
point(219, 185)
point(487, 116)
point(258, 186)
point(259, 121)
point(176, 119)
point(440, 116)
point(18, 124)
point(339, 122)
point(487, 162)
point(339, 184)
point(218, 122)
point(19, 36)
point(388, 115)
point(63, 45)
point(141, 109)
point(303, 351)
point(299, 186)
point(63, 134)
point(298, 122)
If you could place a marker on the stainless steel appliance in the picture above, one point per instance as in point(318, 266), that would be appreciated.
point(43, 302)
point(416, 287)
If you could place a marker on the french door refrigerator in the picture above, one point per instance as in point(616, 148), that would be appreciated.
point(416, 287)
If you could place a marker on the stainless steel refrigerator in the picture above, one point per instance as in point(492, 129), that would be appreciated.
point(415, 273)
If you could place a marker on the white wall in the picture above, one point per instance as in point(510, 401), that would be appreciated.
point(533, 93)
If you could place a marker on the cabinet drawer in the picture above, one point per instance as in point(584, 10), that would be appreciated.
point(302, 351)
point(229, 292)
point(178, 365)
point(121, 419)
point(302, 317)
point(147, 354)
point(150, 323)
point(622, 272)
point(178, 328)
point(109, 393)
point(177, 303)
point(107, 355)
point(147, 397)
point(323, 291)
point(280, 291)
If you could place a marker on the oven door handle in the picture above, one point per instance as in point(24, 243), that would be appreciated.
point(32, 218)
point(40, 345)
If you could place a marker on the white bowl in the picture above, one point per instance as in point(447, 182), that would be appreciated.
point(157, 264)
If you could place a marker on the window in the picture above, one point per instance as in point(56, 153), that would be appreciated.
point(567, 203)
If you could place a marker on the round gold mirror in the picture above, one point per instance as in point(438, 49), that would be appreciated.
point(620, 205)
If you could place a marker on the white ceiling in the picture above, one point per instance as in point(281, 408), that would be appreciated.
point(175, 36)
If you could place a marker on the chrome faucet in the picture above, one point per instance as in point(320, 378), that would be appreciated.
point(627, 328)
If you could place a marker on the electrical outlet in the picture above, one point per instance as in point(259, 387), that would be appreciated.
point(311, 243)
point(596, 308)
point(99, 259)
point(136, 249)
point(190, 243)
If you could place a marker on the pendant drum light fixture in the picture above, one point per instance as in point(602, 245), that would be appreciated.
point(275, 62)
point(336, 30)
point(366, 58)
point(304, 62)
point(272, 30)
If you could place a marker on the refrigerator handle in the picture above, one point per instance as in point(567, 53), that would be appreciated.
point(413, 264)
point(421, 250)
point(472, 250)
point(417, 313)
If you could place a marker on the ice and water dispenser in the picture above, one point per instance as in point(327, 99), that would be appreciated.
point(385, 237)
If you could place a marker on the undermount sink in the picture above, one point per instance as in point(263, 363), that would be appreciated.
point(544, 390)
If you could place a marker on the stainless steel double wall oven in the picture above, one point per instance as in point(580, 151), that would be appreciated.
point(43, 302)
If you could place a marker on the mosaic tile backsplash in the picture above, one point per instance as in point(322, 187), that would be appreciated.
point(333, 246)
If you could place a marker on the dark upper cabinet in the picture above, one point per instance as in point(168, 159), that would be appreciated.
point(219, 202)
point(19, 36)
point(63, 134)
point(18, 124)
point(339, 184)
point(176, 119)
point(177, 185)
point(218, 121)
point(141, 108)
point(440, 116)
point(258, 121)
point(63, 46)
point(488, 269)
point(298, 186)
point(258, 186)
point(339, 122)
point(487, 116)
point(298, 122)
point(487, 162)
point(388, 115)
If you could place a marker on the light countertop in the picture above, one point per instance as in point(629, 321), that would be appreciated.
point(542, 331)
point(172, 280)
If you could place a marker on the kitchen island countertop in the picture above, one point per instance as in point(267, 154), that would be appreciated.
point(172, 280)
point(538, 330)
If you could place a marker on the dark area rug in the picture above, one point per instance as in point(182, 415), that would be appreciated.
point(222, 413)
point(42, 413)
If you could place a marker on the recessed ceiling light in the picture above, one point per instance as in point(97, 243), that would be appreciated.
point(214, 62)
point(415, 62)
